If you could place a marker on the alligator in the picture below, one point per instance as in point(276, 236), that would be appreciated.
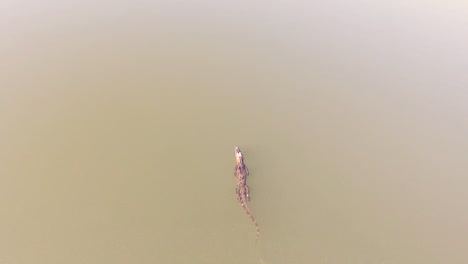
point(241, 172)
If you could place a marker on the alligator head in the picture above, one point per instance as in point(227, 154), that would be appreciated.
point(239, 157)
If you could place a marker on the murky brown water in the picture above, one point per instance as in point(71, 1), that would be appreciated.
point(119, 121)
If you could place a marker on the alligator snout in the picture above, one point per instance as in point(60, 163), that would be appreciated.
point(238, 152)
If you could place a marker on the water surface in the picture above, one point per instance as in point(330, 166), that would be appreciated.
point(119, 122)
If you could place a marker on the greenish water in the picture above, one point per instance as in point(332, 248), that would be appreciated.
point(119, 122)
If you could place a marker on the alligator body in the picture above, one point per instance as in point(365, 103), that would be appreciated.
point(241, 172)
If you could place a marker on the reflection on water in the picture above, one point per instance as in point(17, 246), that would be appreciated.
point(118, 125)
